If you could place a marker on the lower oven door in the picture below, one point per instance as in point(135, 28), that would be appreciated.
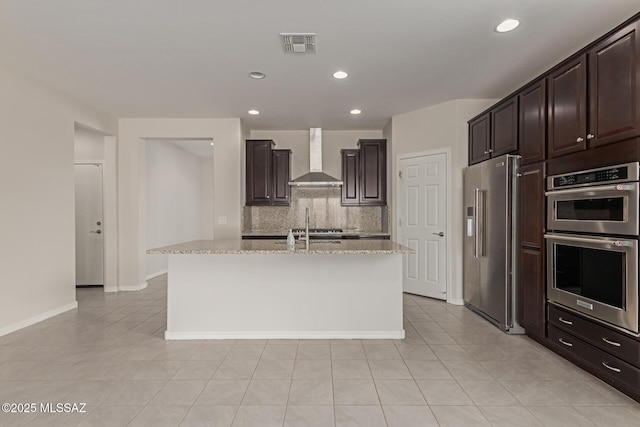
point(597, 276)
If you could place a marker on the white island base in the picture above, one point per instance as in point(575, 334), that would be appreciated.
point(271, 296)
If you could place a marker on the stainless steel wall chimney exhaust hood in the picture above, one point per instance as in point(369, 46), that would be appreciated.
point(315, 177)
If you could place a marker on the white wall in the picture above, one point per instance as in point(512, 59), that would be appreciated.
point(387, 133)
point(245, 133)
point(173, 199)
point(227, 192)
point(88, 144)
point(208, 211)
point(332, 142)
point(37, 237)
point(436, 127)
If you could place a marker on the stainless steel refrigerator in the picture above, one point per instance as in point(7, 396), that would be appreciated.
point(489, 241)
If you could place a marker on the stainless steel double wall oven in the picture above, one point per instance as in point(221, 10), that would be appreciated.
point(592, 244)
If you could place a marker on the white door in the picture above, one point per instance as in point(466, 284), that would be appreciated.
point(89, 225)
point(422, 223)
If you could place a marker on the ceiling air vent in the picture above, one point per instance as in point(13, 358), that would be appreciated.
point(298, 42)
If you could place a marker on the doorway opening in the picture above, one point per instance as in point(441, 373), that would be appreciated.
point(95, 208)
point(178, 195)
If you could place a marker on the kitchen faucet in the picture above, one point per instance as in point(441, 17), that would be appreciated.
point(306, 228)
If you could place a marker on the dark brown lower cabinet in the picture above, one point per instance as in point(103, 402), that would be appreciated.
point(531, 298)
point(531, 280)
point(603, 364)
point(606, 353)
point(618, 344)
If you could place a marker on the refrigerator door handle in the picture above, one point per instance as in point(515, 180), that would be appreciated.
point(478, 239)
point(475, 222)
point(481, 225)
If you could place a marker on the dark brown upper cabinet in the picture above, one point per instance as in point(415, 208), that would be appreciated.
point(373, 172)
point(479, 138)
point(281, 191)
point(532, 123)
point(267, 174)
point(531, 205)
point(494, 133)
point(364, 174)
point(614, 88)
point(504, 128)
point(259, 164)
point(350, 177)
point(595, 99)
point(567, 108)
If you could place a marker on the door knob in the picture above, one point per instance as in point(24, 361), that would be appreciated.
point(441, 234)
point(579, 139)
point(97, 231)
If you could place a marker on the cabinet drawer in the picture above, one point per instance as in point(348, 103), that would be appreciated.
point(603, 362)
point(616, 343)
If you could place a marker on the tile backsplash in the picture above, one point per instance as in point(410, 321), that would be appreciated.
point(325, 212)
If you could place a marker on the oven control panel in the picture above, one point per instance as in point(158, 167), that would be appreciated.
point(620, 173)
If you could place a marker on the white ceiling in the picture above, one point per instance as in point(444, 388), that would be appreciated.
point(168, 58)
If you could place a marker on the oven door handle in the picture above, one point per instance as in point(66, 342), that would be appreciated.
point(592, 190)
point(580, 239)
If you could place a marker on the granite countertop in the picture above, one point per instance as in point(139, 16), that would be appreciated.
point(343, 233)
point(317, 247)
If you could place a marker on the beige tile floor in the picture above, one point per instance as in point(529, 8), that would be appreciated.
point(453, 369)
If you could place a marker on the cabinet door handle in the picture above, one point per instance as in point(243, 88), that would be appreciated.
point(611, 368)
point(566, 322)
point(590, 136)
point(579, 139)
point(568, 344)
point(613, 343)
point(491, 150)
point(486, 152)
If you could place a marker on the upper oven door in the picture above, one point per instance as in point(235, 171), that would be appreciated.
point(607, 209)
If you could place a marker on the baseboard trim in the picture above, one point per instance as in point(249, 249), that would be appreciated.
point(456, 301)
point(134, 288)
point(36, 319)
point(324, 335)
point(156, 274)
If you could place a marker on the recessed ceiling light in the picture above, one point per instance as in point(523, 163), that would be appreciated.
point(355, 111)
point(340, 75)
point(257, 75)
point(212, 144)
point(254, 112)
point(507, 25)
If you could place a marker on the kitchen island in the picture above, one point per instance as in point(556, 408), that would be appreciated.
point(257, 289)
